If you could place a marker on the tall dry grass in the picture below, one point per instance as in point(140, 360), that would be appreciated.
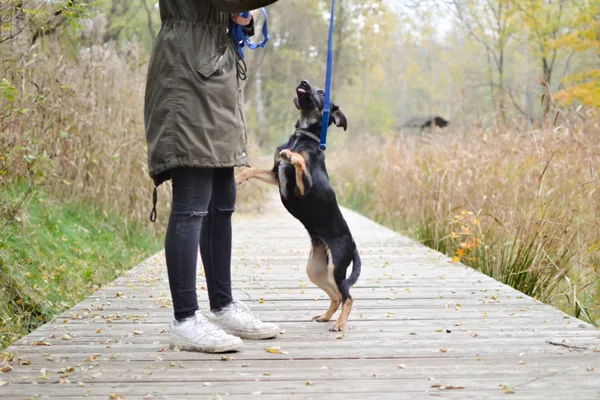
point(75, 126)
point(522, 205)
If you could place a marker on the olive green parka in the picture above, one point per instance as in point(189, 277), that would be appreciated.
point(193, 109)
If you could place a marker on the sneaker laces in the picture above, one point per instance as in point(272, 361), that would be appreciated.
point(206, 325)
point(240, 308)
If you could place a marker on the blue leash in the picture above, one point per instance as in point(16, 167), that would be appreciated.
point(242, 39)
point(327, 105)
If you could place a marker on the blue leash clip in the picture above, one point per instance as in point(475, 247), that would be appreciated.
point(327, 105)
point(243, 40)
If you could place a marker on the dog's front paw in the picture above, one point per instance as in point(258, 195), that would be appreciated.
point(338, 326)
point(241, 178)
point(320, 318)
point(286, 155)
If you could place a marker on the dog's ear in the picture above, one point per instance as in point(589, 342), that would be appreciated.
point(296, 103)
point(337, 117)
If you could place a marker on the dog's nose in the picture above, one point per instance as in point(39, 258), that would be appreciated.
point(305, 82)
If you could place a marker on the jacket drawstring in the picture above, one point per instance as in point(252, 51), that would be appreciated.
point(154, 201)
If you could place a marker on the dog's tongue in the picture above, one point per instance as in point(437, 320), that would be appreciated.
point(300, 90)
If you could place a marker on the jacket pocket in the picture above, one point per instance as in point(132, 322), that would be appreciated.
point(208, 66)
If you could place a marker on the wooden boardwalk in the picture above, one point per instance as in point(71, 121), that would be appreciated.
point(421, 328)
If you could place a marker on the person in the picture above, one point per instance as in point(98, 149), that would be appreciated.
point(196, 135)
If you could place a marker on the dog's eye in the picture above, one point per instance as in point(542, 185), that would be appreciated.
point(322, 93)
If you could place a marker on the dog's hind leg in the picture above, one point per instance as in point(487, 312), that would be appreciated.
point(320, 272)
point(264, 175)
point(344, 285)
point(340, 323)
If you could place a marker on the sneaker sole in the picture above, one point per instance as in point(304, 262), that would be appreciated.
point(255, 335)
point(186, 346)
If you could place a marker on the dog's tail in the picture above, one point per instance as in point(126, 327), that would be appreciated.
point(356, 264)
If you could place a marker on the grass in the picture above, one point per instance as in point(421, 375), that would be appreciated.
point(520, 204)
point(53, 254)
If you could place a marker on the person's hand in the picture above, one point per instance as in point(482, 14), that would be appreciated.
point(238, 19)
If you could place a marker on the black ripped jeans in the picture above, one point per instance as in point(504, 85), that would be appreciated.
point(203, 201)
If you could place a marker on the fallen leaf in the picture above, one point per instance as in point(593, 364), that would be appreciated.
point(98, 331)
point(444, 387)
point(443, 350)
point(340, 336)
point(92, 357)
point(43, 377)
point(522, 362)
point(275, 350)
point(97, 375)
point(401, 366)
point(138, 332)
point(65, 337)
point(261, 300)
point(116, 397)
point(2, 383)
point(42, 343)
point(226, 358)
point(590, 369)
point(308, 383)
point(6, 369)
point(267, 374)
point(508, 389)
point(162, 350)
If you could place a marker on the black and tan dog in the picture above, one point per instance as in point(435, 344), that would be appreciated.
point(299, 171)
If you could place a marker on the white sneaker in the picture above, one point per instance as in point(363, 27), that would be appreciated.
point(237, 319)
point(197, 334)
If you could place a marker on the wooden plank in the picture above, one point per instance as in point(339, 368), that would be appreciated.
point(444, 324)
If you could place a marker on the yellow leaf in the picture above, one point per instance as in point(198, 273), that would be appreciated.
point(508, 389)
point(275, 350)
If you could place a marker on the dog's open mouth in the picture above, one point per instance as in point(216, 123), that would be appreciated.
point(303, 88)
